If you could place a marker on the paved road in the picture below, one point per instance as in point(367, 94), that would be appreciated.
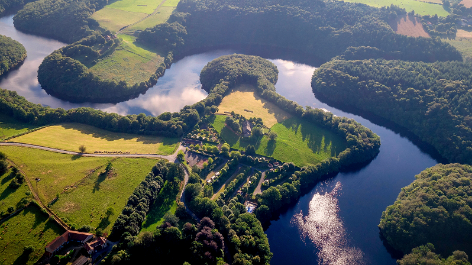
point(258, 189)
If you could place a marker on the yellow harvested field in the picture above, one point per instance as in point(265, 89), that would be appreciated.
point(70, 136)
point(115, 19)
point(244, 101)
point(409, 27)
point(467, 3)
point(463, 34)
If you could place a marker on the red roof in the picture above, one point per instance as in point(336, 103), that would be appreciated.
point(57, 243)
point(78, 236)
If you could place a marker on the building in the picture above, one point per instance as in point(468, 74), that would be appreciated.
point(98, 244)
point(62, 240)
point(247, 130)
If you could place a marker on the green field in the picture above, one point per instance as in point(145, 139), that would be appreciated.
point(138, 6)
point(31, 227)
point(160, 17)
point(10, 127)
point(165, 202)
point(173, 3)
point(88, 202)
point(129, 63)
point(71, 135)
point(421, 8)
point(298, 141)
point(464, 46)
point(9, 196)
point(115, 19)
point(56, 171)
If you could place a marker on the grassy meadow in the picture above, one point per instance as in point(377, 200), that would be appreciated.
point(10, 127)
point(161, 16)
point(30, 227)
point(463, 43)
point(9, 196)
point(172, 3)
point(298, 141)
point(71, 136)
point(165, 202)
point(137, 6)
point(421, 8)
point(87, 203)
point(115, 19)
point(56, 171)
point(244, 97)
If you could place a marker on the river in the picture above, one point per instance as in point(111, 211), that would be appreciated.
point(336, 222)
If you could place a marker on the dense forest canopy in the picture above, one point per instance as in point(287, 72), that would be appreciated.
point(318, 28)
point(12, 53)
point(435, 208)
point(431, 100)
point(12, 5)
point(426, 255)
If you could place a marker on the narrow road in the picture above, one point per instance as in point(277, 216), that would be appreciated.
point(182, 195)
point(258, 189)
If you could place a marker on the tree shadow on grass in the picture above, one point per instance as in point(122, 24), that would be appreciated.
point(229, 136)
point(22, 259)
point(270, 148)
point(6, 193)
point(161, 205)
point(104, 223)
point(99, 181)
point(75, 157)
point(8, 178)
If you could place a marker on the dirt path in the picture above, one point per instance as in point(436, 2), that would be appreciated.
point(258, 189)
point(141, 20)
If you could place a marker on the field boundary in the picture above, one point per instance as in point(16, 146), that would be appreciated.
point(139, 21)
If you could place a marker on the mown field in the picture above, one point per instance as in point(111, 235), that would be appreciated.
point(165, 203)
point(409, 27)
point(243, 98)
point(161, 16)
point(129, 63)
point(137, 6)
point(55, 171)
point(114, 19)
point(71, 136)
point(31, 227)
point(419, 7)
point(10, 197)
point(10, 127)
point(87, 203)
point(298, 141)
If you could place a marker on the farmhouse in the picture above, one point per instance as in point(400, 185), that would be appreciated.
point(247, 128)
point(98, 244)
point(62, 240)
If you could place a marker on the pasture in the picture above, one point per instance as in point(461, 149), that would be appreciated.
point(172, 3)
point(10, 197)
point(137, 6)
point(164, 203)
point(298, 141)
point(463, 43)
point(421, 8)
point(10, 126)
point(115, 19)
point(88, 201)
point(467, 3)
point(409, 27)
point(129, 63)
point(71, 136)
point(244, 98)
point(30, 227)
point(57, 172)
point(161, 16)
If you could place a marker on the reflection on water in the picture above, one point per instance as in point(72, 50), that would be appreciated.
point(323, 226)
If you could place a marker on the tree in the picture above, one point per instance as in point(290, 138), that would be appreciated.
point(250, 150)
point(82, 149)
point(272, 136)
point(192, 191)
point(181, 156)
point(171, 219)
point(235, 155)
point(208, 191)
point(3, 167)
point(110, 211)
point(225, 149)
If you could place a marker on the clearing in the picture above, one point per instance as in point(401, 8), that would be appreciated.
point(30, 227)
point(409, 27)
point(467, 3)
point(115, 19)
point(463, 43)
point(298, 141)
point(88, 201)
point(70, 136)
point(243, 99)
point(161, 16)
point(56, 172)
point(10, 127)
point(129, 63)
point(137, 6)
point(10, 197)
point(421, 8)
point(165, 202)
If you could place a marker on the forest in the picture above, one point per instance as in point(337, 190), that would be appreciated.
point(12, 53)
point(435, 208)
point(316, 28)
point(7, 6)
point(432, 100)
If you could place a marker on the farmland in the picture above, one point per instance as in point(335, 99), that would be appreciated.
point(463, 43)
point(10, 127)
point(408, 27)
point(10, 197)
point(421, 8)
point(467, 3)
point(31, 227)
point(55, 171)
point(137, 6)
point(115, 19)
point(87, 203)
point(161, 16)
point(243, 98)
point(298, 141)
point(70, 136)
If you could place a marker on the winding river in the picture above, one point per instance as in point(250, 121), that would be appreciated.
point(336, 222)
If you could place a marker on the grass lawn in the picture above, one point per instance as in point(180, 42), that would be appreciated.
point(165, 202)
point(8, 196)
point(71, 136)
point(129, 63)
point(56, 171)
point(243, 97)
point(421, 8)
point(298, 141)
point(160, 17)
point(173, 3)
point(31, 227)
point(10, 126)
point(138, 6)
point(88, 202)
point(463, 45)
point(115, 19)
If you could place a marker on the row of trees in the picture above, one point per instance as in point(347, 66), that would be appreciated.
point(431, 100)
point(12, 53)
point(320, 29)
